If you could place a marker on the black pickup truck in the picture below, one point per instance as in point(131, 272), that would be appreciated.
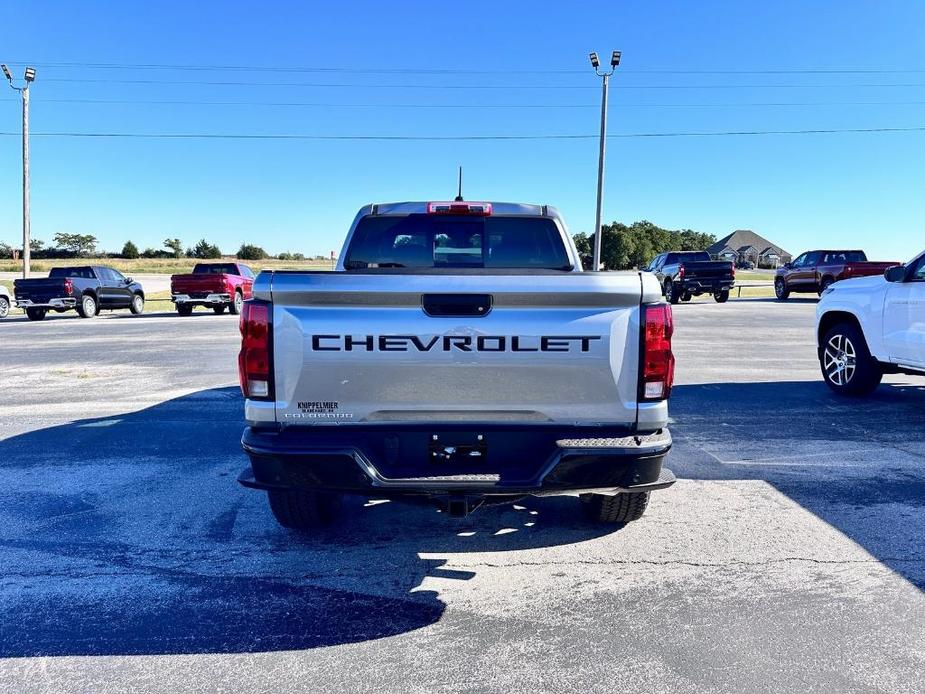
point(684, 274)
point(86, 289)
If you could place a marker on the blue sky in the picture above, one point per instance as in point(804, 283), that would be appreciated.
point(687, 67)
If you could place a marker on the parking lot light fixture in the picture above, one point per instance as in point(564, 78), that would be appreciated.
point(605, 86)
point(29, 77)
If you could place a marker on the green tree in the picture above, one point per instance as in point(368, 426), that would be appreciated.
point(250, 252)
point(79, 244)
point(175, 246)
point(6, 250)
point(205, 250)
point(129, 250)
point(625, 247)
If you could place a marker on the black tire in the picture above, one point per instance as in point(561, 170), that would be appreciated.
point(184, 309)
point(234, 308)
point(4, 307)
point(721, 297)
point(825, 284)
point(219, 310)
point(671, 293)
point(301, 509)
point(137, 306)
point(687, 296)
point(35, 313)
point(846, 362)
point(780, 289)
point(87, 306)
point(619, 508)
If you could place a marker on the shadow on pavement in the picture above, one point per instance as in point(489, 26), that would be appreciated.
point(858, 464)
point(129, 535)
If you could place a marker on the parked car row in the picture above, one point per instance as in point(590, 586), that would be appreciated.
point(89, 289)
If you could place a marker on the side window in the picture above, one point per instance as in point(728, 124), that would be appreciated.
point(918, 270)
point(247, 271)
point(104, 274)
point(800, 261)
point(671, 258)
point(116, 275)
point(812, 258)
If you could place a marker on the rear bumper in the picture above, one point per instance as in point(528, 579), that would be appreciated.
point(706, 286)
point(529, 460)
point(208, 300)
point(64, 302)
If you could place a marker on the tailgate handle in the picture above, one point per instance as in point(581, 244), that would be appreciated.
point(471, 305)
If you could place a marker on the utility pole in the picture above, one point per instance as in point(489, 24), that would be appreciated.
point(605, 87)
point(28, 77)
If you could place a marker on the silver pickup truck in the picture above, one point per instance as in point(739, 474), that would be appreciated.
point(457, 355)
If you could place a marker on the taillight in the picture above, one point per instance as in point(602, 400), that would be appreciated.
point(255, 363)
point(68, 286)
point(477, 209)
point(657, 360)
point(681, 272)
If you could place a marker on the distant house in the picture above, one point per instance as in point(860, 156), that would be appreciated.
point(745, 245)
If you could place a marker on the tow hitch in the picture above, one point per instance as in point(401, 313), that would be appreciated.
point(462, 506)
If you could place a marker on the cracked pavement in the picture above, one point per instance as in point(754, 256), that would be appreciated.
point(789, 556)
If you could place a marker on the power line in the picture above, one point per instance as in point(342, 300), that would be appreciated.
point(441, 138)
point(458, 71)
point(360, 85)
point(318, 104)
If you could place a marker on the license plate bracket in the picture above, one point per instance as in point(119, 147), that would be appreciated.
point(458, 449)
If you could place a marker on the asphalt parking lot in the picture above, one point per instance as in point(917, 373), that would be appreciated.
point(790, 556)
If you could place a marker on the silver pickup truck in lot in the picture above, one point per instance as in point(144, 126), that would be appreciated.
point(458, 355)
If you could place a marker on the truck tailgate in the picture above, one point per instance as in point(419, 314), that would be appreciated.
point(197, 284)
point(39, 289)
point(364, 348)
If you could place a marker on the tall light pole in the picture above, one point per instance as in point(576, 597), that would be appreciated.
point(28, 78)
point(605, 86)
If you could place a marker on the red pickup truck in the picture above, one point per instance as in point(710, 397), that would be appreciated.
point(814, 271)
point(216, 285)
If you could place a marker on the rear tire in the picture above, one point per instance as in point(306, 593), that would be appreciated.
point(184, 309)
point(825, 284)
point(619, 508)
point(780, 289)
point(301, 509)
point(846, 362)
point(671, 294)
point(687, 296)
point(87, 308)
point(35, 313)
point(218, 310)
point(234, 308)
point(721, 297)
point(138, 305)
point(4, 307)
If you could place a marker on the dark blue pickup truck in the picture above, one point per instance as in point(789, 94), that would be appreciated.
point(86, 289)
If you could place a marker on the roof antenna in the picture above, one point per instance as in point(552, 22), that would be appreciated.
point(459, 197)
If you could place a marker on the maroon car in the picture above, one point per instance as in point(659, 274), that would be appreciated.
point(814, 271)
point(216, 285)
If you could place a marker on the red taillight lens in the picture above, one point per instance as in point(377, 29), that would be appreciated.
point(681, 272)
point(657, 359)
point(478, 209)
point(255, 365)
point(68, 287)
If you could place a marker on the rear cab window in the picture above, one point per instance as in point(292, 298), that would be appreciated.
point(215, 269)
point(82, 272)
point(450, 241)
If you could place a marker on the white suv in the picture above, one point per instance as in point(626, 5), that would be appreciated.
point(870, 326)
